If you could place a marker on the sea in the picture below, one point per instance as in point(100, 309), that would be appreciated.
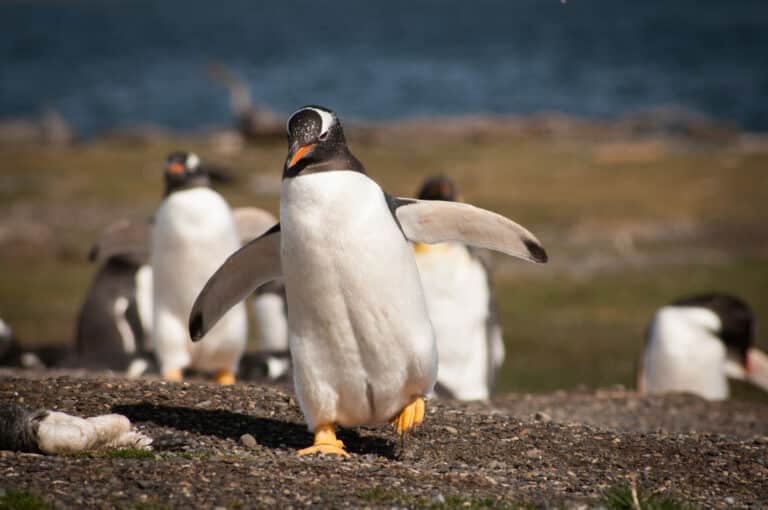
point(104, 64)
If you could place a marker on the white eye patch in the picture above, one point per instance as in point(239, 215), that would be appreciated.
point(192, 160)
point(327, 119)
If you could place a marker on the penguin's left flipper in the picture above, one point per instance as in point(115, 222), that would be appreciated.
point(436, 221)
point(250, 267)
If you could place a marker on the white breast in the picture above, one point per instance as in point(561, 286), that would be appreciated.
point(194, 233)
point(684, 354)
point(457, 295)
point(360, 337)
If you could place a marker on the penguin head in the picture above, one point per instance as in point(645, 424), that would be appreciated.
point(183, 170)
point(438, 187)
point(316, 143)
point(735, 324)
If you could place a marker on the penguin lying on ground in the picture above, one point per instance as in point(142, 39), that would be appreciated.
point(694, 344)
point(462, 306)
point(54, 432)
point(362, 345)
point(114, 323)
point(193, 233)
point(12, 354)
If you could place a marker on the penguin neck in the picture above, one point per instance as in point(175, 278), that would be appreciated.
point(342, 160)
point(198, 181)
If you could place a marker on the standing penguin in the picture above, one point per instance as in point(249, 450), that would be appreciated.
point(694, 344)
point(114, 322)
point(193, 233)
point(362, 346)
point(462, 306)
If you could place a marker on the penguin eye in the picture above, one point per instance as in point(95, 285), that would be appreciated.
point(323, 136)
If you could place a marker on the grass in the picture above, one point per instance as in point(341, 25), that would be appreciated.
point(17, 500)
point(566, 324)
point(621, 498)
point(129, 453)
point(379, 496)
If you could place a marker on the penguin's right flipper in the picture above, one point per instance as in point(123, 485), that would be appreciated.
point(253, 265)
point(437, 221)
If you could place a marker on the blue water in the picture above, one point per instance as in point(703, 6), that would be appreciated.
point(104, 63)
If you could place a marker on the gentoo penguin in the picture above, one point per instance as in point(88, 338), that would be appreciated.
point(12, 354)
point(193, 233)
point(114, 322)
point(362, 345)
point(54, 432)
point(461, 304)
point(694, 344)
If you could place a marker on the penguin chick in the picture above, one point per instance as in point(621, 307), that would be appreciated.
point(53, 432)
point(362, 345)
point(696, 343)
point(193, 233)
point(462, 307)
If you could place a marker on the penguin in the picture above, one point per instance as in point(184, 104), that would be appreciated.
point(54, 432)
point(696, 343)
point(194, 231)
point(12, 354)
point(461, 302)
point(363, 349)
point(114, 322)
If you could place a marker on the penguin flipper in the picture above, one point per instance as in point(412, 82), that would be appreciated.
point(252, 222)
point(437, 221)
point(253, 265)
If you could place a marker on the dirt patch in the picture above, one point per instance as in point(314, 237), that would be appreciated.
point(546, 450)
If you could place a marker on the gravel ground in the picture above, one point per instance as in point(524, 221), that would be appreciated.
point(234, 447)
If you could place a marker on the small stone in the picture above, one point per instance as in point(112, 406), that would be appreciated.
point(542, 417)
point(248, 441)
point(533, 453)
point(730, 500)
point(450, 430)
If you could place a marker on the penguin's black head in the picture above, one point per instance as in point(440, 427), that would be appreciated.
point(183, 170)
point(736, 321)
point(316, 143)
point(438, 187)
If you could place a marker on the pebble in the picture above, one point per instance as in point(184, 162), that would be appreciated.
point(248, 440)
point(542, 417)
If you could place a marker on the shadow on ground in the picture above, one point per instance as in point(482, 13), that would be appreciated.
point(268, 432)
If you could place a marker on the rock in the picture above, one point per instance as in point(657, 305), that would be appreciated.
point(248, 441)
point(542, 417)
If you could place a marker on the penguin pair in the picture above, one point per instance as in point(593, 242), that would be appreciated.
point(696, 343)
point(362, 345)
point(116, 322)
point(460, 298)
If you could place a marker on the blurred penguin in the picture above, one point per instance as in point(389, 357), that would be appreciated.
point(694, 344)
point(12, 354)
point(115, 320)
point(193, 234)
point(457, 286)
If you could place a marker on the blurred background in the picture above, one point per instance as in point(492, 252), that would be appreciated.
point(631, 137)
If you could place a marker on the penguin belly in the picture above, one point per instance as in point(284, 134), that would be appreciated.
point(457, 295)
point(194, 233)
point(682, 357)
point(361, 341)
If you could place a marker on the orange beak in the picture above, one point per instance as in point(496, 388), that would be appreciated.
point(176, 168)
point(300, 153)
